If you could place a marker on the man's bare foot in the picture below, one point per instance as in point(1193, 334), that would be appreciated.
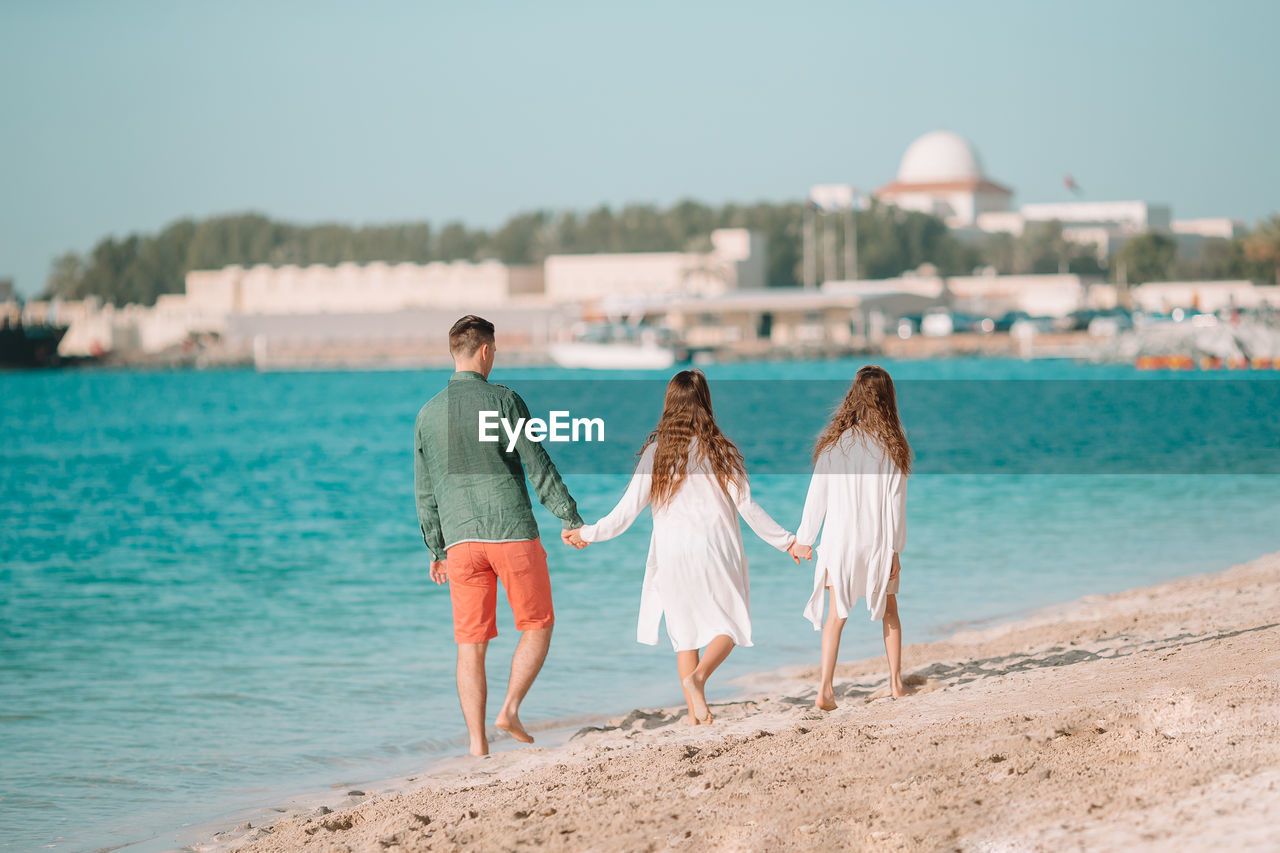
point(510, 723)
point(826, 700)
point(697, 700)
point(479, 747)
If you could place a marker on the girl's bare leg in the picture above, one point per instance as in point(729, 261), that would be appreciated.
point(717, 650)
point(686, 663)
point(830, 650)
point(893, 645)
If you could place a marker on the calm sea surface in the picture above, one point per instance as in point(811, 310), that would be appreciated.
point(214, 594)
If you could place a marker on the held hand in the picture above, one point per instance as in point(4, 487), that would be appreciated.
point(800, 552)
point(439, 571)
point(574, 538)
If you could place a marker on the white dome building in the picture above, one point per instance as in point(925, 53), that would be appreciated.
point(941, 174)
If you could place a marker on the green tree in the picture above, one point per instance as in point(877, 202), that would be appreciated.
point(1262, 245)
point(139, 268)
point(1147, 257)
point(1042, 248)
point(892, 241)
point(456, 243)
point(1217, 259)
point(65, 276)
point(524, 239)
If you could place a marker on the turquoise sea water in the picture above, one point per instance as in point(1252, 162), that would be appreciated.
point(213, 591)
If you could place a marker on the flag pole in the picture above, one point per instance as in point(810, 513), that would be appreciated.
point(809, 259)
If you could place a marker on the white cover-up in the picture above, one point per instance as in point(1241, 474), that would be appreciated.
point(696, 573)
point(862, 495)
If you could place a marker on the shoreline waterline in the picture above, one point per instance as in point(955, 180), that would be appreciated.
point(554, 736)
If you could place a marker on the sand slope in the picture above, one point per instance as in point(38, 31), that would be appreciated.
point(1146, 720)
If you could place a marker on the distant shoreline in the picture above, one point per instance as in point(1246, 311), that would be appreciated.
point(1065, 345)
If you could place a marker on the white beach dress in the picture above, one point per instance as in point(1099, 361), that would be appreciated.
point(862, 495)
point(696, 573)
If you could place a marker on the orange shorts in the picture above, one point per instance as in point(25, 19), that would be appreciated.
point(474, 571)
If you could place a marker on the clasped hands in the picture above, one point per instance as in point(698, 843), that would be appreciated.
point(800, 552)
point(574, 538)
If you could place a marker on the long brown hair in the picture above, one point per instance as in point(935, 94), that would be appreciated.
point(686, 415)
point(870, 407)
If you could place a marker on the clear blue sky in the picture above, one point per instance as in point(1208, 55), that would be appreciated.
point(120, 116)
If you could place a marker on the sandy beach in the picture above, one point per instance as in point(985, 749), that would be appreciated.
point(1143, 720)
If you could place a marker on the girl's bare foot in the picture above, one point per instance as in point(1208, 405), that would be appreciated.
point(899, 690)
point(510, 723)
point(826, 700)
point(697, 700)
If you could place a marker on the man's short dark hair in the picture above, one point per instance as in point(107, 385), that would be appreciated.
point(468, 334)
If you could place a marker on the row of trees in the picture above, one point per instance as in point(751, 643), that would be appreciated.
point(1154, 257)
point(138, 268)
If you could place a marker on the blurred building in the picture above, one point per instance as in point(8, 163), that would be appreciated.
point(1193, 235)
point(359, 288)
point(10, 309)
point(990, 294)
point(376, 313)
point(1221, 228)
point(1037, 295)
point(1103, 225)
point(387, 313)
point(736, 261)
point(406, 338)
point(1162, 297)
point(941, 174)
point(801, 322)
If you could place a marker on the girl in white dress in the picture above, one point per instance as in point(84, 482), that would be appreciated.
point(696, 573)
point(859, 488)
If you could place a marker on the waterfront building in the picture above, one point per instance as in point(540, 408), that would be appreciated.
point(360, 288)
point(756, 322)
point(992, 295)
point(941, 175)
point(736, 261)
point(1193, 235)
point(1162, 297)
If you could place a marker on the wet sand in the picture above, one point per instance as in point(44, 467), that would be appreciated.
point(1144, 720)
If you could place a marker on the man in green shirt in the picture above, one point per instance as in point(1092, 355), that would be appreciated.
point(477, 521)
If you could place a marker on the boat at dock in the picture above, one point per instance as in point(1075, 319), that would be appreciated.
point(618, 346)
point(23, 346)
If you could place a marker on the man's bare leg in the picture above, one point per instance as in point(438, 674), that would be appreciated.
point(473, 692)
point(717, 650)
point(893, 646)
point(831, 632)
point(686, 663)
point(526, 663)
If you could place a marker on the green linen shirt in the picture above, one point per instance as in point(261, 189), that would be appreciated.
point(473, 491)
